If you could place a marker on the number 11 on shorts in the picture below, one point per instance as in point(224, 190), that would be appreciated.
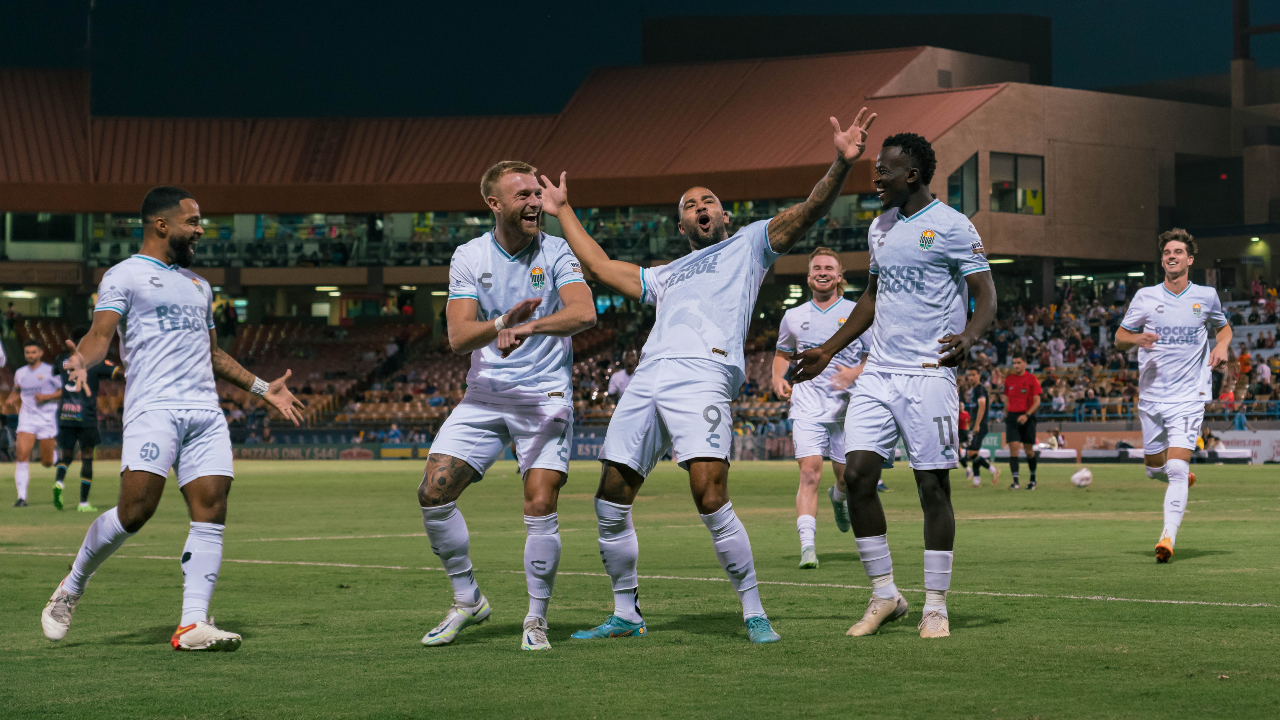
point(946, 435)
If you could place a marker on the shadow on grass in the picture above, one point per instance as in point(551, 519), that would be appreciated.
point(965, 620)
point(1188, 554)
point(155, 635)
point(714, 623)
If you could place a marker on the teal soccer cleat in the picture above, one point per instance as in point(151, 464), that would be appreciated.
point(760, 631)
point(842, 510)
point(613, 627)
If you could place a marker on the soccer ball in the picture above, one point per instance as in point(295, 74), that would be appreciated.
point(1082, 477)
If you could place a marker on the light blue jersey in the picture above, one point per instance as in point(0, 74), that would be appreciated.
point(705, 299)
point(808, 326)
point(167, 313)
point(541, 368)
point(1177, 368)
point(920, 263)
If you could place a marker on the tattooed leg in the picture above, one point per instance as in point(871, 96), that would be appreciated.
point(445, 479)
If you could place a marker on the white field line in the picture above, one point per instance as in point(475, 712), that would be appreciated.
point(1104, 598)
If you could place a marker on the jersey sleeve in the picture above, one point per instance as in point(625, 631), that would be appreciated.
point(758, 234)
point(650, 284)
point(462, 281)
point(566, 268)
point(964, 249)
point(786, 338)
point(208, 309)
point(1136, 316)
point(1215, 317)
point(115, 292)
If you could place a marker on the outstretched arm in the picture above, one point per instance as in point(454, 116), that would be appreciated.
point(622, 277)
point(788, 226)
point(93, 347)
point(276, 392)
point(811, 362)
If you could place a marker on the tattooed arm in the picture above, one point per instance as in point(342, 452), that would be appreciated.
point(226, 368)
point(786, 229)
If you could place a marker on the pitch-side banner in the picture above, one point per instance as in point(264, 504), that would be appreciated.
point(1264, 444)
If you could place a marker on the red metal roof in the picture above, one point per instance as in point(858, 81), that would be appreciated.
point(43, 116)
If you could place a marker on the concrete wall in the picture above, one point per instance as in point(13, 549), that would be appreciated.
point(921, 74)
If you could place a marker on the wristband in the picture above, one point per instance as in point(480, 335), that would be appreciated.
point(497, 323)
point(259, 386)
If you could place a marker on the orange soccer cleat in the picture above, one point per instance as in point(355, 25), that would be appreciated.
point(1164, 549)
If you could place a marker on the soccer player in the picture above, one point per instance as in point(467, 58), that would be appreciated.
point(516, 296)
point(78, 422)
point(924, 256)
point(690, 370)
point(1169, 326)
point(171, 413)
point(37, 385)
point(1021, 400)
point(818, 407)
point(975, 401)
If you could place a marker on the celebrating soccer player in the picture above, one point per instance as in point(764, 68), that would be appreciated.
point(924, 255)
point(690, 370)
point(516, 296)
point(78, 422)
point(171, 413)
point(1169, 325)
point(36, 383)
point(818, 407)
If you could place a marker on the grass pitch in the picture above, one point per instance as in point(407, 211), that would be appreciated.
point(1058, 609)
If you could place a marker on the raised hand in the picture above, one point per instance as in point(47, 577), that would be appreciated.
point(522, 311)
point(279, 396)
point(512, 338)
point(809, 365)
point(554, 198)
point(850, 143)
point(75, 368)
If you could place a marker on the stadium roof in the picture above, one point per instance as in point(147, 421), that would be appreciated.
point(629, 136)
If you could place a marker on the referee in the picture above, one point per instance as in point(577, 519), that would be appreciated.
point(1021, 400)
point(78, 422)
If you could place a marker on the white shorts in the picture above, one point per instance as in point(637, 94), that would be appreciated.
point(922, 410)
point(818, 438)
point(478, 432)
point(194, 442)
point(681, 404)
point(44, 428)
point(1170, 424)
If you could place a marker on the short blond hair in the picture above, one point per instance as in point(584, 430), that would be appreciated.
point(495, 173)
point(829, 253)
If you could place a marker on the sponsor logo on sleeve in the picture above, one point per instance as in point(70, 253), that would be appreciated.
point(976, 248)
point(926, 239)
point(574, 266)
point(538, 278)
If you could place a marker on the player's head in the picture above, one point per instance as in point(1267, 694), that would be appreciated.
point(1019, 365)
point(702, 218)
point(905, 164)
point(32, 352)
point(1177, 252)
point(973, 376)
point(78, 333)
point(171, 215)
point(512, 192)
point(826, 274)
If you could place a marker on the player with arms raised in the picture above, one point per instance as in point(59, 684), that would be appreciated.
point(1170, 324)
point(516, 296)
point(690, 370)
point(818, 407)
point(171, 413)
point(39, 388)
point(924, 255)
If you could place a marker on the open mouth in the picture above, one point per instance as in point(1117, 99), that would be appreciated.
point(704, 222)
point(530, 218)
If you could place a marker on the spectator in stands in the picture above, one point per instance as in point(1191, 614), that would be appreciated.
point(1057, 348)
point(621, 378)
point(267, 438)
point(393, 435)
point(1058, 403)
point(1056, 439)
point(1089, 407)
point(227, 320)
point(236, 415)
point(253, 439)
point(1245, 361)
point(392, 347)
point(1240, 421)
point(1264, 374)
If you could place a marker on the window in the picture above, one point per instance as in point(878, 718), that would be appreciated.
point(44, 227)
point(1017, 183)
point(962, 187)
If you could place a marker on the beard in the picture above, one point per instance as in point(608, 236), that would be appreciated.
point(180, 251)
point(699, 238)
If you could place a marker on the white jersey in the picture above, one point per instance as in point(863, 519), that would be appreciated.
point(808, 326)
point(920, 263)
point(40, 380)
point(705, 299)
point(1177, 368)
point(167, 313)
point(541, 368)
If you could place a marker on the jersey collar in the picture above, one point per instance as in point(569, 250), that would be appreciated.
point(824, 312)
point(922, 211)
point(511, 258)
point(1173, 294)
point(150, 259)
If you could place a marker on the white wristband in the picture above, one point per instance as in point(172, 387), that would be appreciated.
point(497, 323)
point(259, 386)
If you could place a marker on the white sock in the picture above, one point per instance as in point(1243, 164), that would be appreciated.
point(807, 526)
point(201, 560)
point(21, 477)
point(1158, 473)
point(620, 551)
point(1175, 497)
point(937, 579)
point(541, 558)
point(451, 542)
point(876, 562)
point(104, 537)
point(733, 550)
point(837, 494)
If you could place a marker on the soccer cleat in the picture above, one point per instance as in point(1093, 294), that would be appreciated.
point(995, 476)
point(535, 635)
point(1031, 485)
point(935, 625)
point(1164, 549)
point(86, 507)
point(842, 510)
point(613, 627)
point(57, 496)
point(1015, 486)
point(204, 635)
point(459, 617)
point(879, 611)
point(808, 558)
point(977, 481)
point(1191, 479)
point(20, 503)
point(881, 487)
point(968, 473)
point(760, 630)
point(56, 617)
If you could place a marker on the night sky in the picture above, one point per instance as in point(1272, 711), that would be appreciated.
point(236, 58)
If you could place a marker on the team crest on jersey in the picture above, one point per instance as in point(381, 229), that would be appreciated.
point(841, 321)
point(198, 285)
point(926, 239)
point(1195, 309)
point(538, 278)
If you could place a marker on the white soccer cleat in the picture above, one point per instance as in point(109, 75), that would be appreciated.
point(879, 612)
point(204, 635)
point(459, 617)
point(934, 624)
point(535, 635)
point(56, 617)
